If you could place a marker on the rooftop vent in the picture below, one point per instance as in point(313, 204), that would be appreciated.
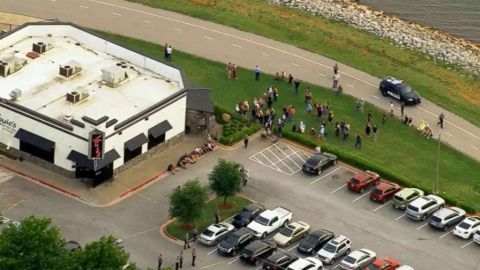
point(67, 117)
point(15, 94)
point(41, 47)
point(11, 65)
point(69, 69)
point(78, 95)
point(114, 75)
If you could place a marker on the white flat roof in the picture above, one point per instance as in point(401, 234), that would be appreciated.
point(44, 89)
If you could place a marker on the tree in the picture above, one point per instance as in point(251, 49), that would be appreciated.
point(225, 179)
point(33, 244)
point(102, 254)
point(187, 202)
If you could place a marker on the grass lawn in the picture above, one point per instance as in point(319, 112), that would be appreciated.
point(235, 205)
point(399, 149)
point(453, 90)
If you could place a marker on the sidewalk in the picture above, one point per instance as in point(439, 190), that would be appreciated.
point(110, 192)
point(9, 20)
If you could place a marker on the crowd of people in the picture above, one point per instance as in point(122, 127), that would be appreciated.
point(193, 156)
point(231, 71)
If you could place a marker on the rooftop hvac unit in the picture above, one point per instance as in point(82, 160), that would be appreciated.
point(113, 75)
point(73, 97)
point(15, 94)
point(41, 47)
point(70, 68)
point(4, 68)
point(10, 65)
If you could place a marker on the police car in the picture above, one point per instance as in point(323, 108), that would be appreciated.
point(399, 90)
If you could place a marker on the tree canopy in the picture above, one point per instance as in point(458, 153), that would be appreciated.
point(225, 179)
point(187, 202)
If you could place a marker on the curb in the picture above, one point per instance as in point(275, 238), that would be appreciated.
point(143, 184)
point(171, 238)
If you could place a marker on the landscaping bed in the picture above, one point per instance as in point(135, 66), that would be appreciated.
point(234, 130)
point(234, 205)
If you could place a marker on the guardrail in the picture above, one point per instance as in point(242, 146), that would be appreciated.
point(5, 27)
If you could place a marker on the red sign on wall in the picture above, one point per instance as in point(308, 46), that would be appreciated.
point(96, 144)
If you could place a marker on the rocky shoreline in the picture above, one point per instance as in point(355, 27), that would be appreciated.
point(435, 43)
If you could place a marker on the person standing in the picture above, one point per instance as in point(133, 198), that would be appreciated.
point(160, 262)
point(335, 68)
point(165, 54)
point(234, 71)
point(257, 73)
point(375, 132)
point(441, 118)
point(177, 263)
point(339, 90)
point(290, 80)
point(358, 141)
point(217, 216)
point(169, 53)
point(245, 140)
point(402, 108)
point(391, 108)
point(180, 259)
point(297, 86)
point(336, 78)
point(186, 243)
point(194, 256)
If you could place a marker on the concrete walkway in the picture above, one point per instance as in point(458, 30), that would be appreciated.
point(225, 44)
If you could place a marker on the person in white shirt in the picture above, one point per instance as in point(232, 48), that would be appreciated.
point(169, 53)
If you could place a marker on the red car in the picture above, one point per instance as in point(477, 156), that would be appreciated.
point(362, 181)
point(384, 191)
point(383, 264)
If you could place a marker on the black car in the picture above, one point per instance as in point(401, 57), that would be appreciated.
point(315, 241)
point(258, 250)
point(279, 260)
point(319, 162)
point(248, 213)
point(235, 241)
point(399, 90)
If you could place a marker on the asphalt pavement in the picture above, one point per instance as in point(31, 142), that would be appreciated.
point(225, 44)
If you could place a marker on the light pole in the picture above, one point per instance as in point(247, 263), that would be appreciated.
point(435, 183)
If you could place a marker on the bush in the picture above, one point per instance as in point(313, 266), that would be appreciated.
point(237, 136)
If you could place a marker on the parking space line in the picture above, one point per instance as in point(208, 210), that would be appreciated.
point(307, 155)
point(467, 244)
point(331, 192)
point(336, 266)
point(279, 159)
point(320, 178)
point(260, 267)
point(255, 159)
point(211, 265)
point(400, 217)
point(269, 160)
point(288, 156)
point(213, 250)
point(296, 153)
point(236, 259)
point(265, 54)
point(447, 233)
point(360, 197)
point(421, 226)
point(376, 97)
point(290, 249)
point(381, 206)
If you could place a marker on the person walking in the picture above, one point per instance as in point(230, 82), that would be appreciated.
point(358, 141)
point(402, 108)
point(177, 263)
point(441, 118)
point(165, 54)
point(335, 68)
point(245, 140)
point(217, 216)
point(169, 53)
point(336, 78)
point(186, 243)
point(194, 256)
point(180, 259)
point(160, 262)
point(257, 73)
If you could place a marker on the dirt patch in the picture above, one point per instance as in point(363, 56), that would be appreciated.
point(187, 227)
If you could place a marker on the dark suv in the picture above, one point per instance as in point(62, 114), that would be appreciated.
point(399, 90)
point(257, 250)
point(315, 241)
point(279, 260)
point(235, 241)
point(248, 213)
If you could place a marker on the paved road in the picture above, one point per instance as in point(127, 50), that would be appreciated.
point(226, 44)
point(322, 201)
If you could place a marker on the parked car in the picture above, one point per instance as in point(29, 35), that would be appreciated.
point(467, 227)
point(424, 206)
point(291, 233)
point(384, 191)
point(358, 259)
point(72, 246)
point(270, 220)
point(399, 90)
point(383, 264)
point(402, 198)
point(215, 233)
point(335, 249)
point(445, 218)
point(235, 241)
point(310, 263)
point(248, 213)
point(476, 237)
point(319, 162)
point(257, 250)
point(279, 260)
point(315, 241)
point(361, 181)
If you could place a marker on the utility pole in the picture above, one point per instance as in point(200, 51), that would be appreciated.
point(435, 183)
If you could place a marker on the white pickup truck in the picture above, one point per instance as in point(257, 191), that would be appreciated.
point(270, 220)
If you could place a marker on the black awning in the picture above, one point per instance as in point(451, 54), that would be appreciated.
point(136, 142)
point(159, 129)
point(35, 140)
point(83, 161)
point(199, 100)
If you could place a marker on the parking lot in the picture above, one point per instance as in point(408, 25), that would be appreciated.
point(322, 201)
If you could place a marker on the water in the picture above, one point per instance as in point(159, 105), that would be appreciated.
point(460, 18)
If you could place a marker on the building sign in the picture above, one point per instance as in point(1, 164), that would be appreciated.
point(96, 144)
point(8, 125)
